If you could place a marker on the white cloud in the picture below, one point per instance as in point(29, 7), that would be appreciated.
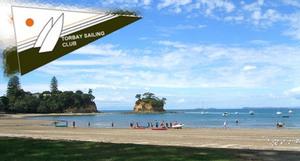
point(238, 18)
point(103, 50)
point(126, 3)
point(204, 6)
point(189, 27)
point(294, 26)
point(294, 92)
point(249, 68)
point(259, 42)
point(181, 65)
point(294, 3)
point(175, 5)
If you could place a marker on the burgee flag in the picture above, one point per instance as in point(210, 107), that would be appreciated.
point(43, 35)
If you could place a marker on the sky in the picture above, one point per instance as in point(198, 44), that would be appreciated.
point(196, 53)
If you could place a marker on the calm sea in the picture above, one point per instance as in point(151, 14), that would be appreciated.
point(200, 118)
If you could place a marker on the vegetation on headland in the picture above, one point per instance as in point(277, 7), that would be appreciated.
point(17, 100)
point(148, 102)
point(19, 149)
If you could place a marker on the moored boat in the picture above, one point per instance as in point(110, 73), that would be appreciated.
point(178, 126)
point(280, 124)
point(251, 112)
point(225, 114)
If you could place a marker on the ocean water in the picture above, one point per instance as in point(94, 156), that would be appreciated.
point(200, 118)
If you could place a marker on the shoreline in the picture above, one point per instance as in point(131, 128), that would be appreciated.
point(255, 139)
point(28, 116)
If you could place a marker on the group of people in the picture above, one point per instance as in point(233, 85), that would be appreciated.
point(155, 124)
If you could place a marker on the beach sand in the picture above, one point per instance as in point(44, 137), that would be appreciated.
point(258, 139)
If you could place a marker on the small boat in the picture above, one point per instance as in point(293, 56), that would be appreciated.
point(160, 128)
point(61, 123)
point(251, 112)
point(178, 126)
point(290, 111)
point(278, 113)
point(225, 114)
point(279, 124)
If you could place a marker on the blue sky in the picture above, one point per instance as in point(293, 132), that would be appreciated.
point(196, 53)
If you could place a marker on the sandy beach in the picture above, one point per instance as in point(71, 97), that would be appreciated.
point(258, 139)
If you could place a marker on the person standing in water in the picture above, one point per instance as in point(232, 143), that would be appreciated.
point(73, 124)
point(237, 122)
point(225, 124)
point(112, 124)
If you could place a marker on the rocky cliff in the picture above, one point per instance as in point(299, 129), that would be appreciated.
point(141, 106)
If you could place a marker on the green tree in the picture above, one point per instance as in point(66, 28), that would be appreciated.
point(2, 106)
point(13, 87)
point(4, 101)
point(54, 101)
point(138, 96)
point(54, 85)
point(164, 100)
point(90, 92)
point(148, 95)
point(91, 96)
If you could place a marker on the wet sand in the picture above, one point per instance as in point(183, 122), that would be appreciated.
point(258, 139)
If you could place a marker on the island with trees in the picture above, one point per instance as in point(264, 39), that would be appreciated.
point(17, 100)
point(149, 103)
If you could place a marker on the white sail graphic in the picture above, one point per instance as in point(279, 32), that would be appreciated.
point(53, 35)
point(44, 34)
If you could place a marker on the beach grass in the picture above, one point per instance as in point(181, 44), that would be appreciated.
point(20, 149)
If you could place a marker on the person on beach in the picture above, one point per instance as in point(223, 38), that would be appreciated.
point(156, 124)
point(73, 124)
point(131, 124)
point(170, 124)
point(151, 124)
point(112, 124)
point(237, 122)
point(167, 125)
point(89, 124)
point(225, 124)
